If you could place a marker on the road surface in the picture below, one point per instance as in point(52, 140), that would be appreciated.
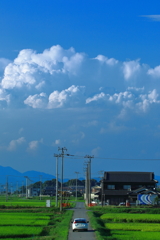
point(80, 212)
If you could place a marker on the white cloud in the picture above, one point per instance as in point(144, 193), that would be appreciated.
point(4, 96)
point(40, 85)
point(43, 78)
point(147, 100)
point(55, 100)
point(33, 145)
point(37, 101)
point(96, 97)
point(152, 17)
point(120, 97)
point(130, 68)
point(135, 89)
point(15, 143)
point(155, 72)
point(57, 142)
point(130, 99)
point(108, 61)
point(95, 151)
point(23, 70)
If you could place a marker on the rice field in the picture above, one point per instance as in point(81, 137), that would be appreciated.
point(130, 217)
point(114, 225)
point(27, 219)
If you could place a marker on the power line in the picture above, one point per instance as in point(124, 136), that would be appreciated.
point(121, 159)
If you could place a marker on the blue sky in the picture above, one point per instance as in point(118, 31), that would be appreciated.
point(84, 75)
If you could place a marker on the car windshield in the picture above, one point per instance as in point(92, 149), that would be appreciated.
point(79, 221)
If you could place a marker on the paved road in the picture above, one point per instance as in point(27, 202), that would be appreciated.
point(80, 211)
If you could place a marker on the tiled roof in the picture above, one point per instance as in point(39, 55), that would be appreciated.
point(129, 177)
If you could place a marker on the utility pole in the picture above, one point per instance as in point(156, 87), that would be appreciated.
point(40, 187)
point(62, 155)
point(57, 157)
point(76, 183)
point(17, 188)
point(26, 186)
point(102, 186)
point(86, 183)
point(6, 188)
point(22, 187)
point(89, 177)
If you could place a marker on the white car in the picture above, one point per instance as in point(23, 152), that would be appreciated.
point(80, 224)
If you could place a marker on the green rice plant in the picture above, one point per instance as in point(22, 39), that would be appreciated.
point(130, 217)
point(19, 231)
point(23, 204)
point(122, 209)
point(150, 227)
point(19, 222)
point(134, 235)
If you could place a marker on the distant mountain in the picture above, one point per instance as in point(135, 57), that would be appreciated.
point(17, 177)
point(38, 175)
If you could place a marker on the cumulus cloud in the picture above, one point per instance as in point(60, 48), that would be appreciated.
point(4, 96)
point(59, 78)
point(108, 61)
point(37, 100)
point(22, 71)
point(154, 72)
point(15, 143)
point(148, 99)
point(130, 68)
point(96, 97)
point(33, 145)
point(131, 99)
point(55, 100)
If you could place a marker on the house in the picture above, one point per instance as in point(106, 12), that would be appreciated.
point(143, 195)
point(117, 186)
point(49, 191)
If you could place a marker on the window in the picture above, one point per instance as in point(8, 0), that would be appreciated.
point(127, 187)
point(110, 186)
